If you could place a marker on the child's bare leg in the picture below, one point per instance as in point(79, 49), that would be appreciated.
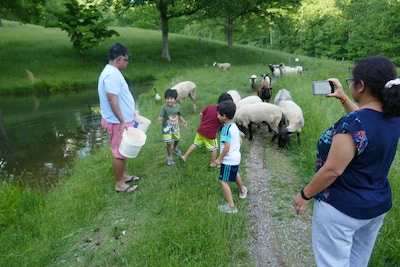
point(213, 157)
point(188, 152)
point(169, 149)
point(227, 193)
point(175, 144)
point(239, 183)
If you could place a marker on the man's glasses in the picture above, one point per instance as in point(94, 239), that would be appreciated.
point(349, 81)
point(124, 59)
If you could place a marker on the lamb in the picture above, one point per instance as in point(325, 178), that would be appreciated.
point(282, 94)
point(264, 91)
point(275, 70)
point(248, 100)
point(299, 69)
point(258, 113)
point(253, 82)
point(294, 121)
point(222, 66)
point(186, 89)
point(265, 78)
point(235, 95)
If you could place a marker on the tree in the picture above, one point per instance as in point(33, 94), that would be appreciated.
point(84, 25)
point(230, 10)
point(26, 11)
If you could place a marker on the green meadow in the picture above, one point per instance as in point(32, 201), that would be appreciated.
point(172, 220)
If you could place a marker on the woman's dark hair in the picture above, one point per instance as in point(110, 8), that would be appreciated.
point(375, 72)
point(118, 50)
point(227, 108)
point(171, 93)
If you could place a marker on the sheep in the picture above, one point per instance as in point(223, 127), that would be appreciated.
point(222, 66)
point(248, 100)
point(258, 113)
point(253, 82)
point(299, 69)
point(235, 95)
point(265, 78)
point(264, 91)
point(282, 94)
point(275, 70)
point(186, 89)
point(287, 70)
point(293, 119)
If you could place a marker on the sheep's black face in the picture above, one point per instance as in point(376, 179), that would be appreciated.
point(283, 139)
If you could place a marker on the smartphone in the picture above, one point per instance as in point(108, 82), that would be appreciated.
point(322, 87)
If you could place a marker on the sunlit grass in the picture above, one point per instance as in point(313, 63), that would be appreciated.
point(172, 220)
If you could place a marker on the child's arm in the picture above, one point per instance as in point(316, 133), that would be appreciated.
point(223, 153)
point(159, 119)
point(181, 119)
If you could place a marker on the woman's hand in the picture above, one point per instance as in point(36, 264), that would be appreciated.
point(338, 93)
point(299, 204)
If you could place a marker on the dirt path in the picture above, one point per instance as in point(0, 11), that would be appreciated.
point(279, 237)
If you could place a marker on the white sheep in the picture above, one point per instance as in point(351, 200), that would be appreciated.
point(266, 79)
point(235, 95)
point(222, 66)
point(248, 100)
point(253, 82)
point(258, 114)
point(186, 89)
point(294, 121)
point(287, 70)
point(282, 94)
point(299, 69)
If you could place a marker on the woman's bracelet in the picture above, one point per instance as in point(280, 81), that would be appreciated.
point(344, 100)
point(304, 195)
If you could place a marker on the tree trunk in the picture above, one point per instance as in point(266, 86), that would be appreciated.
point(1, 23)
point(229, 32)
point(164, 30)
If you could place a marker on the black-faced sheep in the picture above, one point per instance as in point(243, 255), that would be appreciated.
point(294, 121)
point(264, 91)
point(186, 89)
point(253, 82)
point(275, 70)
point(266, 79)
point(235, 95)
point(222, 66)
point(258, 114)
point(282, 94)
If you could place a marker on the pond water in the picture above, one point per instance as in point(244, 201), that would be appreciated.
point(41, 135)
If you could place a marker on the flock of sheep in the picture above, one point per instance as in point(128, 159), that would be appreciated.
point(284, 117)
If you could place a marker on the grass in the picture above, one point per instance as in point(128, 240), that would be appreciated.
point(172, 220)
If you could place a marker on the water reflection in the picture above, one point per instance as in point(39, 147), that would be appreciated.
point(41, 136)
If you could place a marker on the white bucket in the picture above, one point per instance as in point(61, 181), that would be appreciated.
point(132, 141)
point(141, 123)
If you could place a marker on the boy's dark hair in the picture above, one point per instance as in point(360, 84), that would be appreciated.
point(224, 97)
point(118, 50)
point(171, 93)
point(227, 108)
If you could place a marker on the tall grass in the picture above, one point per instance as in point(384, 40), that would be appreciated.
point(172, 220)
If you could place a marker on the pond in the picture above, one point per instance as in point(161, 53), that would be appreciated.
point(41, 135)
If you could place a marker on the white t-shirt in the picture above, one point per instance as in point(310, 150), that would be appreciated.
point(112, 81)
point(230, 134)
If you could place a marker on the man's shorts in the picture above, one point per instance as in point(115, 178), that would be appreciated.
point(113, 130)
point(202, 141)
point(228, 173)
point(171, 137)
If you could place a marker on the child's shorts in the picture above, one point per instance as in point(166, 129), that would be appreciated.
point(228, 173)
point(202, 141)
point(171, 137)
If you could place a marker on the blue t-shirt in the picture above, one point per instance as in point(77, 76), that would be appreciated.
point(363, 190)
point(112, 81)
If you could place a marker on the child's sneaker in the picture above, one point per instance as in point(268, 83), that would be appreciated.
point(177, 151)
point(226, 208)
point(170, 161)
point(244, 195)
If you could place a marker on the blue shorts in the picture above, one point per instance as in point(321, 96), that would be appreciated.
point(228, 173)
